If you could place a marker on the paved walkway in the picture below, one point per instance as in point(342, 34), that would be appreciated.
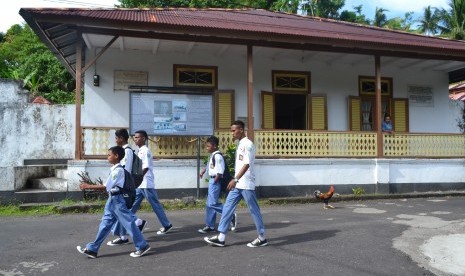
point(415, 236)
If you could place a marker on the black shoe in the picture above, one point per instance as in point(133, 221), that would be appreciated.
point(206, 230)
point(142, 226)
point(140, 253)
point(257, 243)
point(85, 251)
point(234, 222)
point(214, 241)
point(165, 230)
point(117, 241)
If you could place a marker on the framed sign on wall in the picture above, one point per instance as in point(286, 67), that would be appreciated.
point(124, 79)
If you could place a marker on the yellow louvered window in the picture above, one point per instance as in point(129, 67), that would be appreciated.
point(355, 113)
point(224, 109)
point(318, 111)
point(268, 114)
point(400, 116)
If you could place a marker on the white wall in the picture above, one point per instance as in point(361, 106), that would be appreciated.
point(104, 107)
point(33, 131)
point(178, 174)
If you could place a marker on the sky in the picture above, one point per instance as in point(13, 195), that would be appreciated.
point(396, 8)
point(9, 13)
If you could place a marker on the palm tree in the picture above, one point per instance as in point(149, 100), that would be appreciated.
point(290, 6)
point(380, 17)
point(452, 21)
point(429, 21)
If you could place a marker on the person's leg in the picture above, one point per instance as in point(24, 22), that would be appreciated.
point(127, 219)
point(213, 204)
point(229, 207)
point(138, 200)
point(152, 198)
point(107, 222)
point(135, 206)
point(251, 201)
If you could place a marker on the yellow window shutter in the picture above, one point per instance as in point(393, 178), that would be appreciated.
point(355, 114)
point(268, 114)
point(224, 109)
point(318, 112)
point(400, 116)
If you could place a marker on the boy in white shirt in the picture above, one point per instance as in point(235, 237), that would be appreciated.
point(147, 187)
point(215, 169)
point(121, 139)
point(241, 187)
point(116, 210)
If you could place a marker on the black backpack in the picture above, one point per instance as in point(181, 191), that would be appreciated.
point(224, 181)
point(136, 171)
point(129, 189)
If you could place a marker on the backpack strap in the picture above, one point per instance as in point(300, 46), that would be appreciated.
point(213, 157)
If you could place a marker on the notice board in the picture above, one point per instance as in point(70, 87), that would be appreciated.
point(171, 114)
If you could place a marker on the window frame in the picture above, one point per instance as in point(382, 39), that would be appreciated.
point(178, 68)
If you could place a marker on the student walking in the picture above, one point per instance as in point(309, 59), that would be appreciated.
point(215, 169)
point(147, 187)
point(122, 139)
point(241, 187)
point(116, 210)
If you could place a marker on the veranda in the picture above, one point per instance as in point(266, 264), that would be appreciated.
point(282, 144)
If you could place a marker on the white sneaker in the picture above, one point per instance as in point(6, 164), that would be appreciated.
point(140, 253)
point(234, 222)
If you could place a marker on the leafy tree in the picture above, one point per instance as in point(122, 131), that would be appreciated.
point(355, 16)
point(348, 16)
point(399, 23)
point(261, 4)
point(429, 21)
point(329, 8)
point(320, 8)
point(24, 56)
point(380, 17)
point(290, 6)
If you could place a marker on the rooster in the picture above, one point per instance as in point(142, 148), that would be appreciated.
point(325, 197)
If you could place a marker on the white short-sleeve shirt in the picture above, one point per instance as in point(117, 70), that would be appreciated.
point(115, 178)
point(245, 154)
point(147, 163)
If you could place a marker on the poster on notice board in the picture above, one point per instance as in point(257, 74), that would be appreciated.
point(171, 114)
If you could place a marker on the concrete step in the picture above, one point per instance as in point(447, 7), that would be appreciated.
point(48, 183)
point(61, 173)
point(39, 195)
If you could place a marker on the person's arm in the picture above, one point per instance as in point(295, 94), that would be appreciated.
point(202, 172)
point(219, 167)
point(128, 158)
point(145, 160)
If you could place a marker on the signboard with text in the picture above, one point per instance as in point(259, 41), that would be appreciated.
point(420, 95)
point(171, 114)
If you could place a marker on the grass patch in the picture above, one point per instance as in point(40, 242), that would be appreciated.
point(69, 206)
point(16, 210)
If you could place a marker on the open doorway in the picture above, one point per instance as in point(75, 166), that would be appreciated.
point(290, 111)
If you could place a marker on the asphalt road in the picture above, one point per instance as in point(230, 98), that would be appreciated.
point(423, 236)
